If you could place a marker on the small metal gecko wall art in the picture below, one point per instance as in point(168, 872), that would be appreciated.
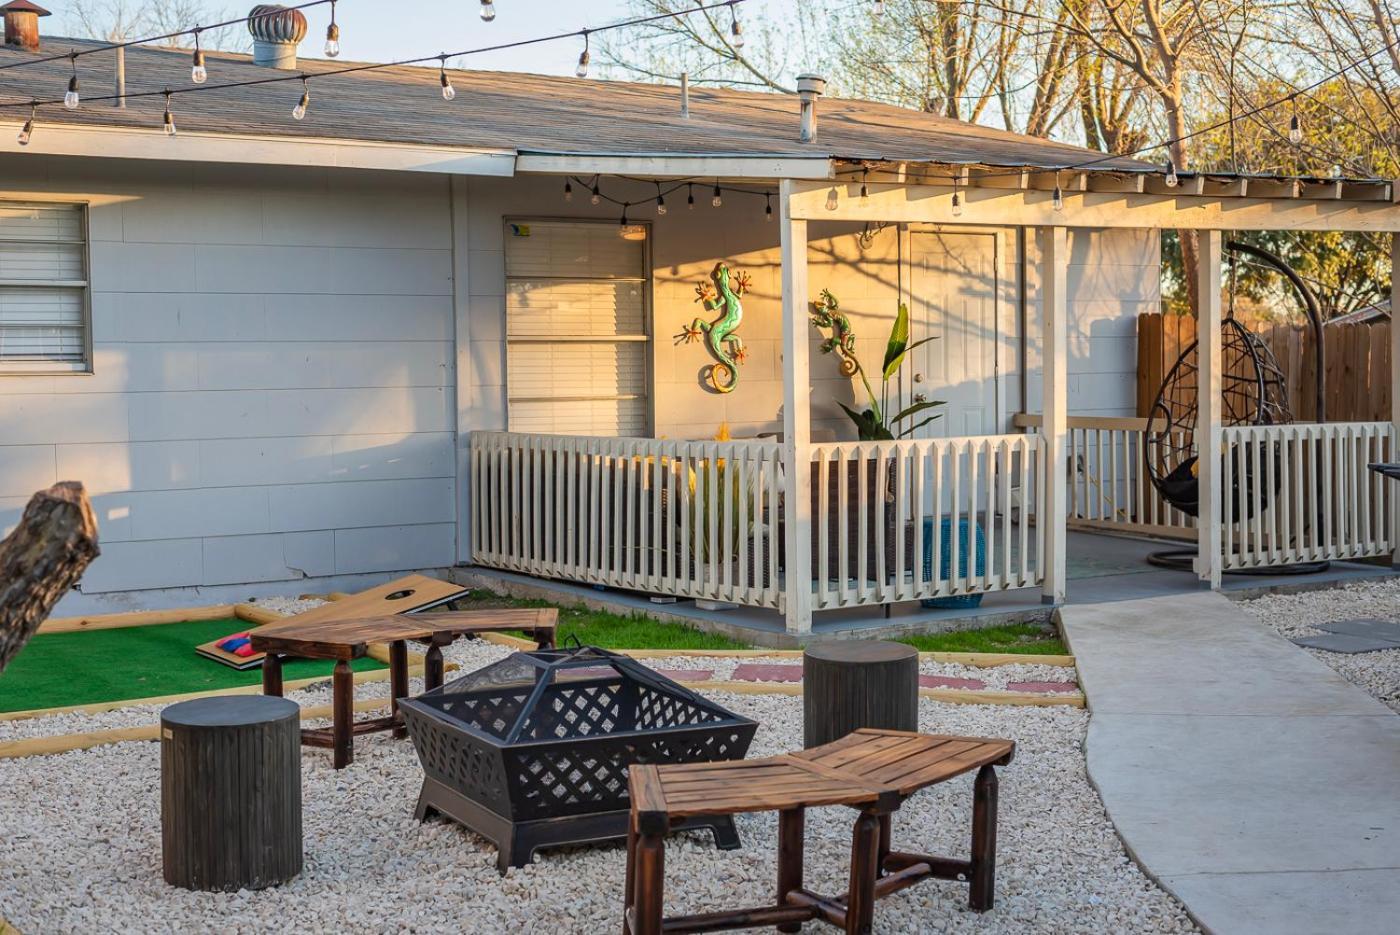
point(721, 292)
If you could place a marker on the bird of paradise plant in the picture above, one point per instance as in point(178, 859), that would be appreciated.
point(871, 422)
point(709, 491)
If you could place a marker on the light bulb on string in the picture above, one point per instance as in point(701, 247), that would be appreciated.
point(736, 32)
point(299, 111)
point(718, 199)
point(568, 190)
point(1295, 130)
point(448, 92)
point(660, 201)
point(878, 8)
point(488, 11)
point(597, 198)
point(767, 207)
point(1057, 197)
point(864, 187)
point(198, 73)
point(690, 196)
point(26, 132)
point(582, 69)
point(1172, 178)
point(332, 37)
point(622, 222)
point(832, 199)
point(957, 199)
point(168, 118)
point(70, 99)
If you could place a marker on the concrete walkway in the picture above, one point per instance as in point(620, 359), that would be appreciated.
point(1249, 779)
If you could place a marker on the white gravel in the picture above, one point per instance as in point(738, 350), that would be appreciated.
point(1292, 615)
point(71, 860)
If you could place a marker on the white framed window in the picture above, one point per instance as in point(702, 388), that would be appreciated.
point(44, 306)
point(577, 338)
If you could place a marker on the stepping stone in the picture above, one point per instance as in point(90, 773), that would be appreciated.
point(686, 675)
point(754, 672)
point(1366, 628)
point(1042, 687)
point(943, 681)
point(1345, 643)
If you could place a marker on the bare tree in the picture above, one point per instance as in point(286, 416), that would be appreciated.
point(123, 20)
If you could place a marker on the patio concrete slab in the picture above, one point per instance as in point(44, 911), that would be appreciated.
point(1248, 778)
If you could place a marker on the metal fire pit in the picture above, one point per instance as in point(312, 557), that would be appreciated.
point(532, 751)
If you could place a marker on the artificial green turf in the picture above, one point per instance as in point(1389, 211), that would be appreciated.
point(93, 666)
point(604, 630)
point(1026, 638)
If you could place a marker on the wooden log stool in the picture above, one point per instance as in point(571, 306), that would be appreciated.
point(850, 684)
point(872, 771)
point(348, 640)
point(230, 792)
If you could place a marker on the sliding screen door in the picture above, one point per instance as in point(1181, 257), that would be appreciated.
point(576, 328)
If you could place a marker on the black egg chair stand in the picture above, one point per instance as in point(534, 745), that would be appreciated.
point(1254, 392)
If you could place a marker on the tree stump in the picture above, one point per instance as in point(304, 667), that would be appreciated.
point(849, 684)
point(230, 792)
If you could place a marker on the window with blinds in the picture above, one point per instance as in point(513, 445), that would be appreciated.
point(43, 288)
point(577, 346)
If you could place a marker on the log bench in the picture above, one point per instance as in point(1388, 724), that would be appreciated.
point(347, 640)
point(872, 771)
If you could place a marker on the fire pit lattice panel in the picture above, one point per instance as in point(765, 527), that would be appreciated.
point(533, 750)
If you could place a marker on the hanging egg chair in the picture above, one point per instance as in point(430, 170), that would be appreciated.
point(1253, 392)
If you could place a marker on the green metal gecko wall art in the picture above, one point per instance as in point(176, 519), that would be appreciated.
point(721, 292)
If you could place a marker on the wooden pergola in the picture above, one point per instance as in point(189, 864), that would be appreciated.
point(992, 196)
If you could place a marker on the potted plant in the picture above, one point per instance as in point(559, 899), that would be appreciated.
point(872, 423)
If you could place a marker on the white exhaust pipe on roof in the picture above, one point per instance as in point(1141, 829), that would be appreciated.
point(809, 88)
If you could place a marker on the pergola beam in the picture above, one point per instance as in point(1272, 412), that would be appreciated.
point(1013, 207)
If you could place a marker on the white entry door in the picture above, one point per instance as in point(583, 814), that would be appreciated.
point(953, 298)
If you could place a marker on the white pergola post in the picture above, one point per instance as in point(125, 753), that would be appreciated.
point(1394, 452)
point(797, 418)
point(1054, 425)
point(1209, 406)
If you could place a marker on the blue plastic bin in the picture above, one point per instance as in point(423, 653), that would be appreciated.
point(947, 541)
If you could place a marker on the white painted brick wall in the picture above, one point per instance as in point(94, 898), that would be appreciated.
point(272, 395)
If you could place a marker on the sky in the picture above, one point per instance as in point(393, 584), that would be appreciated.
point(374, 30)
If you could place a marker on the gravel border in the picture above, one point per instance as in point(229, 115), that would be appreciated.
point(74, 861)
point(1293, 615)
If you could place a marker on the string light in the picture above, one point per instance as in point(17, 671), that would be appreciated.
point(622, 222)
point(879, 9)
point(767, 207)
point(832, 199)
point(70, 100)
point(448, 92)
point(27, 130)
point(660, 201)
point(1295, 126)
point(332, 37)
point(1057, 198)
point(568, 190)
point(690, 196)
point(582, 69)
point(718, 199)
point(198, 73)
point(168, 118)
point(299, 111)
point(597, 195)
point(488, 11)
point(864, 187)
point(736, 32)
point(957, 199)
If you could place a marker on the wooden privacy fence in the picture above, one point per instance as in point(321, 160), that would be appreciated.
point(1356, 373)
point(687, 519)
point(1303, 493)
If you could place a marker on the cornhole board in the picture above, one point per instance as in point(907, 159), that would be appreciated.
point(400, 596)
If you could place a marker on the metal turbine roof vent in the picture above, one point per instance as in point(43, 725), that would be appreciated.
point(276, 32)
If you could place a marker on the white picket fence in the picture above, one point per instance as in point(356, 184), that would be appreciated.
point(685, 519)
point(889, 517)
point(1303, 493)
point(1108, 485)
